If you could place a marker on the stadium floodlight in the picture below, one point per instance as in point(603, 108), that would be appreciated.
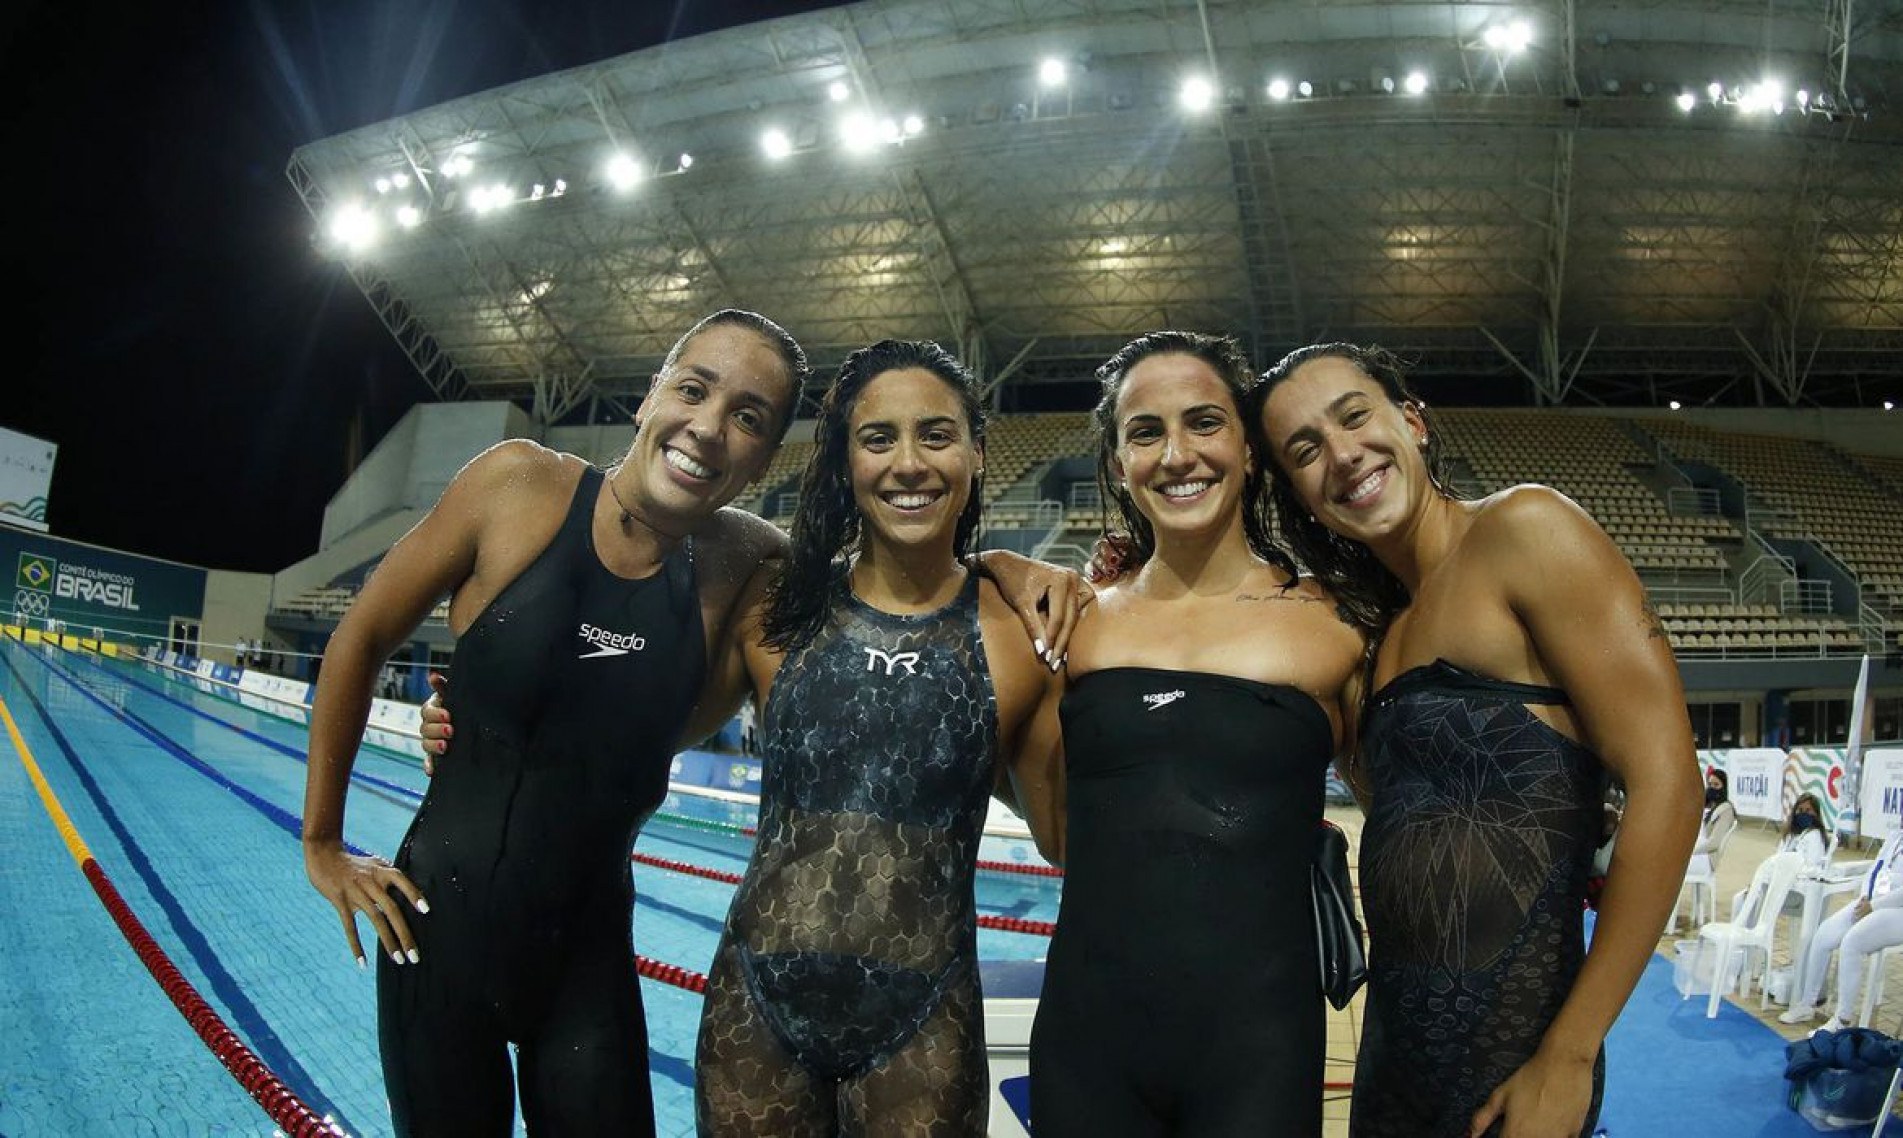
point(1675, 405)
point(623, 173)
point(838, 92)
point(383, 185)
point(408, 216)
point(1304, 88)
point(492, 197)
point(1686, 101)
point(1053, 73)
point(400, 181)
point(1278, 89)
point(686, 161)
point(774, 142)
point(1387, 84)
point(537, 192)
point(1416, 83)
point(1889, 404)
point(1197, 94)
point(1715, 91)
point(1750, 101)
point(561, 187)
point(1803, 97)
point(353, 227)
point(457, 166)
point(859, 131)
point(913, 126)
point(1509, 39)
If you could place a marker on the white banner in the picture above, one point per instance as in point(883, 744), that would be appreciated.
point(395, 726)
point(26, 476)
point(1756, 775)
point(1882, 799)
point(275, 694)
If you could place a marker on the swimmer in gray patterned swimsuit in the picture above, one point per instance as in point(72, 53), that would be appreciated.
point(844, 994)
point(1518, 663)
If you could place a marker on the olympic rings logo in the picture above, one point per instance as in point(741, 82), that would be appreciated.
point(31, 602)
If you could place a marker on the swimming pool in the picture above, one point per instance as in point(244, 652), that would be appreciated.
point(189, 801)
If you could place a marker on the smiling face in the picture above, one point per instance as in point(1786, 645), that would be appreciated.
point(912, 458)
point(710, 423)
point(1352, 456)
point(1180, 445)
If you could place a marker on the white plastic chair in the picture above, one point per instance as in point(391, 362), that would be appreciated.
point(1701, 880)
point(1873, 973)
point(1770, 883)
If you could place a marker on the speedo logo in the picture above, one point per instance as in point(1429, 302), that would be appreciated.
point(1162, 699)
point(609, 643)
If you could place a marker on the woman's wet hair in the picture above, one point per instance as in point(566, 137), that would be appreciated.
point(1367, 591)
point(827, 523)
point(1129, 540)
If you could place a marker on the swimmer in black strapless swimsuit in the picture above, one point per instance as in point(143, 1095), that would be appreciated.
point(521, 847)
point(1181, 994)
point(847, 977)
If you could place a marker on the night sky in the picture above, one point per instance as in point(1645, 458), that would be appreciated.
point(198, 363)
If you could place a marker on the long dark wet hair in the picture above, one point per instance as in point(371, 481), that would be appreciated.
point(1366, 590)
point(826, 523)
point(1129, 540)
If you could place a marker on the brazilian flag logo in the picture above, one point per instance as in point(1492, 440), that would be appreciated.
point(36, 572)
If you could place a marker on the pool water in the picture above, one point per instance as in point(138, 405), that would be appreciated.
point(190, 802)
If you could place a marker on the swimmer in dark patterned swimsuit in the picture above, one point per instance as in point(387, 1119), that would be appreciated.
point(570, 592)
point(844, 994)
point(1517, 657)
point(1473, 865)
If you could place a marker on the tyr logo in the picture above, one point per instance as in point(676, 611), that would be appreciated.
point(892, 660)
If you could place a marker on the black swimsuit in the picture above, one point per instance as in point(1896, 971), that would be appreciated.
point(1473, 878)
point(1181, 996)
point(845, 989)
point(570, 693)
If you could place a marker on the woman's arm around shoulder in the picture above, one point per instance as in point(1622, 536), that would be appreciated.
point(736, 656)
point(1029, 739)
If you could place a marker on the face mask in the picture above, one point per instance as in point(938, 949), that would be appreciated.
point(1713, 796)
point(1802, 822)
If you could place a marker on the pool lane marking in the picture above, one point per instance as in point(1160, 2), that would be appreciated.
point(652, 969)
point(398, 789)
point(210, 1027)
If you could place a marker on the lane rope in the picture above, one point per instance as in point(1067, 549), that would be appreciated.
point(282, 1104)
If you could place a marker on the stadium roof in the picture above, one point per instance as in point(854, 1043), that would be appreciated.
point(1550, 220)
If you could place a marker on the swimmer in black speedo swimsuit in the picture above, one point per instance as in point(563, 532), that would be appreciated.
point(586, 606)
point(521, 847)
point(1180, 997)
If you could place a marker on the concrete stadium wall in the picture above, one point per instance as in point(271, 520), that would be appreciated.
point(410, 466)
point(235, 604)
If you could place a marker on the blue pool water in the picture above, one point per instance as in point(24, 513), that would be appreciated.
point(190, 802)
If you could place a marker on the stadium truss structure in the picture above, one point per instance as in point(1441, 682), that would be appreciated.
point(1635, 207)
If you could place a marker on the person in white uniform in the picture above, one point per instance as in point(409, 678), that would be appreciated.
point(1872, 923)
